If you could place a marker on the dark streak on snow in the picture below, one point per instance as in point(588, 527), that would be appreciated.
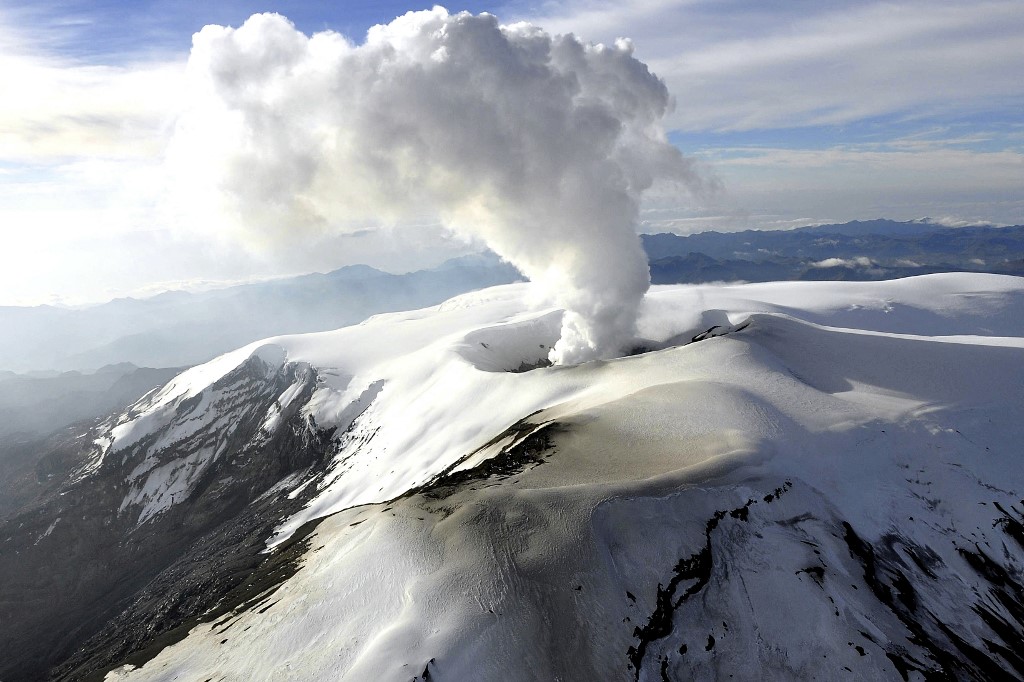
point(896, 570)
point(950, 655)
point(1011, 524)
point(817, 573)
point(425, 675)
point(722, 331)
point(664, 670)
point(525, 366)
point(528, 444)
point(697, 567)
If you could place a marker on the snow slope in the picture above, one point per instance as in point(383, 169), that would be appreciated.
point(827, 483)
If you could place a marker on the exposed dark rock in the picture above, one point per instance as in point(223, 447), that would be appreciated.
point(718, 330)
point(910, 581)
point(1011, 524)
point(948, 647)
point(528, 444)
point(695, 568)
point(525, 366)
point(119, 588)
point(42, 420)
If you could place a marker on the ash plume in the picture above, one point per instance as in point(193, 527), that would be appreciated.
point(539, 145)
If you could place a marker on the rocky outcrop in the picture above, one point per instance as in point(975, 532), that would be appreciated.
point(123, 555)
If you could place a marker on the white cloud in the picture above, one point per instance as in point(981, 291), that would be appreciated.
point(739, 66)
point(55, 108)
point(938, 170)
point(951, 221)
point(857, 262)
point(772, 188)
point(80, 150)
point(539, 146)
point(82, 143)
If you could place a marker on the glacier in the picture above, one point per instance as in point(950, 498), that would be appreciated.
point(783, 480)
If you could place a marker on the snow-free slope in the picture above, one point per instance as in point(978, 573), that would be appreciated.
point(828, 484)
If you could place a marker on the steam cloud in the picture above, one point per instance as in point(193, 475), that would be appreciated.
point(539, 145)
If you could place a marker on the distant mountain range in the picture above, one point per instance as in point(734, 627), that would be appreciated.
point(41, 414)
point(178, 328)
point(871, 250)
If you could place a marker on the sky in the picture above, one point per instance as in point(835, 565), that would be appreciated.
point(793, 112)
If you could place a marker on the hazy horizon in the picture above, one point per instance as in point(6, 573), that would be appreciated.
point(801, 113)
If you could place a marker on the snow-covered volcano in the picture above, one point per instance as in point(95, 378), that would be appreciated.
point(785, 481)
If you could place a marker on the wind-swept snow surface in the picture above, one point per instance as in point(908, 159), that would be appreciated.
point(826, 483)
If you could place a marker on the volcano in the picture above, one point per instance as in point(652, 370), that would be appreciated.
point(785, 481)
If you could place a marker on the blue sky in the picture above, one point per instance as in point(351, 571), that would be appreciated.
point(805, 111)
point(116, 32)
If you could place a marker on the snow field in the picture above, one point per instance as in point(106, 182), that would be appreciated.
point(891, 407)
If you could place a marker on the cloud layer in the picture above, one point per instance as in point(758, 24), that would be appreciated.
point(753, 65)
point(538, 145)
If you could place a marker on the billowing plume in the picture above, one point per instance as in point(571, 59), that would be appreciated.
point(539, 145)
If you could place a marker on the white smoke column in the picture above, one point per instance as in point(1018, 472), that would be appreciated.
point(540, 145)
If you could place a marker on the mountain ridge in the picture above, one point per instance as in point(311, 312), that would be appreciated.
point(178, 328)
point(839, 454)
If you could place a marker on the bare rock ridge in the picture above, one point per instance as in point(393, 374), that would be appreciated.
point(91, 574)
